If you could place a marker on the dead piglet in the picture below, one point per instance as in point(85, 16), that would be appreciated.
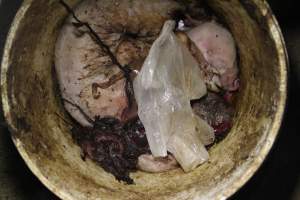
point(219, 50)
point(150, 164)
point(216, 112)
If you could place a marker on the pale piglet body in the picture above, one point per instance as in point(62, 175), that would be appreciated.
point(86, 74)
point(150, 164)
point(218, 48)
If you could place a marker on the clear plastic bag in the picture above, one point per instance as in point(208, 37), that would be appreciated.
point(168, 80)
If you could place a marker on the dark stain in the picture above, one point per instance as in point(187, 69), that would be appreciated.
point(78, 33)
point(256, 15)
point(95, 92)
point(55, 87)
point(22, 124)
point(251, 9)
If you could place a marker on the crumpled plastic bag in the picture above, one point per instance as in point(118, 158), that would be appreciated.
point(170, 77)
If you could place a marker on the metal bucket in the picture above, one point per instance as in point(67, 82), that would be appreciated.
point(31, 103)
